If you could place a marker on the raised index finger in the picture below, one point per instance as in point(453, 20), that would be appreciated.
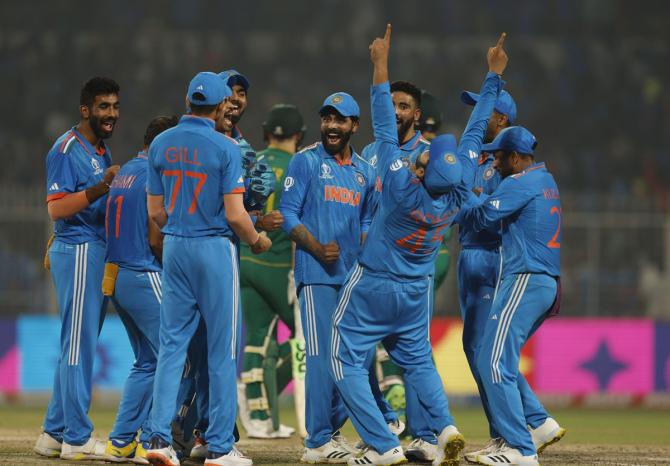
point(501, 40)
point(387, 34)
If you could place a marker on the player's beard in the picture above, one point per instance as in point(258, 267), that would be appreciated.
point(403, 129)
point(338, 147)
point(96, 126)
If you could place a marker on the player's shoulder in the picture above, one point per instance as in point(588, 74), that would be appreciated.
point(64, 144)
point(310, 150)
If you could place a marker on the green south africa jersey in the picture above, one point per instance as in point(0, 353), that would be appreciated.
point(280, 253)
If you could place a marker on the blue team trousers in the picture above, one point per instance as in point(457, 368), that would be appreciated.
point(200, 281)
point(77, 271)
point(324, 410)
point(521, 305)
point(478, 272)
point(373, 308)
point(137, 298)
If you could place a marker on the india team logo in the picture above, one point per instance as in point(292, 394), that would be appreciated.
point(360, 179)
point(325, 172)
point(288, 182)
point(450, 158)
point(96, 167)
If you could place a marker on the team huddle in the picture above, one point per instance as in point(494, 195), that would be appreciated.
point(199, 233)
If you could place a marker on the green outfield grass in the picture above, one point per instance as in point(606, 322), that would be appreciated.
point(595, 436)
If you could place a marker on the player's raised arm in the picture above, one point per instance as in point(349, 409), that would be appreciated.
point(473, 136)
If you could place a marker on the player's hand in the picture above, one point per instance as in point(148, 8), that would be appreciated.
point(497, 57)
point(379, 49)
point(270, 222)
point(262, 245)
point(329, 253)
point(478, 191)
point(110, 173)
point(290, 290)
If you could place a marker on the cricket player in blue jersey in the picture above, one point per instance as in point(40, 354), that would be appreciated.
point(527, 207)
point(388, 294)
point(194, 189)
point(479, 266)
point(327, 211)
point(79, 172)
point(133, 281)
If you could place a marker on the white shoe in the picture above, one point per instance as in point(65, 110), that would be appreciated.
point(508, 456)
point(396, 427)
point(546, 434)
point(94, 449)
point(450, 443)
point(370, 456)
point(490, 447)
point(420, 450)
point(161, 453)
point(47, 446)
point(233, 458)
point(199, 450)
point(263, 429)
point(335, 451)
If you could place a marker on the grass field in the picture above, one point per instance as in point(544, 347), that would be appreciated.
point(595, 436)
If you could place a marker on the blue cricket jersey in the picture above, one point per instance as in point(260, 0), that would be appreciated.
point(529, 206)
point(73, 165)
point(333, 202)
point(487, 179)
point(409, 224)
point(127, 219)
point(193, 166)
point(409, 150)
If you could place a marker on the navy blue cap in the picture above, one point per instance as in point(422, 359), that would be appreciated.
point(232, 77)
point(444, 171)
point(206, 88)
point(343, 103)
point(504, 104)
point(513, 138)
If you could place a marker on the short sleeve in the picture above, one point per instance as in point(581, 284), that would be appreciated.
point(154, 179)
point(232, 177)
point(61, 175)
point(296, 185)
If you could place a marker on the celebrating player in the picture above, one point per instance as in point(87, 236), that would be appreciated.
point(79, 173)
point(387, 295)
point(195, 187)
point(133, 281)
point(527, 204)
point(327, 211)
point(264, 280)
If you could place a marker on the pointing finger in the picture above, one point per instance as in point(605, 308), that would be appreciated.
point(387, 34)
point(501, 40)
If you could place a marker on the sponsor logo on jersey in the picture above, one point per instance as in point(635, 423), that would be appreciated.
point(495, 203)
point(53, 187)
point(288, 182)
point(373, 160)
point(396, 165)
point(360, 179)
point(473, 154)
point(495, 317)
point(97, 169)
point(240, 179)
point(342, 195)
point(486, 296)
point(325, 172)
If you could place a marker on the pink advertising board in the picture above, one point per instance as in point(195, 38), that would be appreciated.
point(580, 356)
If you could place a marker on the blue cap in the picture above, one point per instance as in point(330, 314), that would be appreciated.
point(513, 138)
point(504, 104)
point(206, 88)
point(444, 171)
point(232, 77)
point(343, 103)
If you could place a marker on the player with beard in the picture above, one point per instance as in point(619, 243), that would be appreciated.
point(79, 173)
point(327, 212)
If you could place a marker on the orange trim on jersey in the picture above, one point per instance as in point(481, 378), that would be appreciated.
point(239, 190)
point(101, 149)
point(483, 157)
point(66, 140)
point(55, 196)
point(343, 163)
point(528, 170)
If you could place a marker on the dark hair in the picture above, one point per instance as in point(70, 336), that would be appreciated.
point(157, 126)
point(407, 88)
point(97, 86)
point(202, 109)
